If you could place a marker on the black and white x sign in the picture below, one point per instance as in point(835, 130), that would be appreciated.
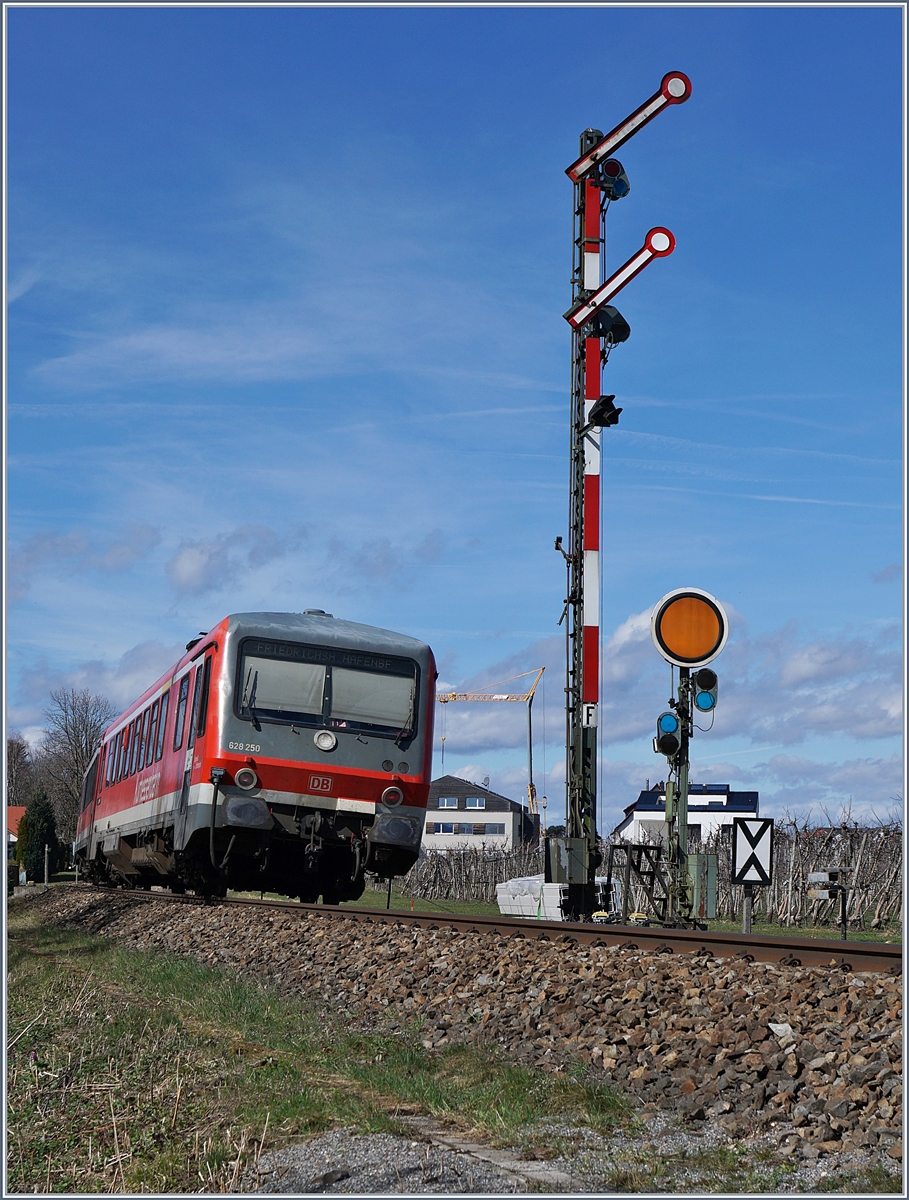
point(752, 850)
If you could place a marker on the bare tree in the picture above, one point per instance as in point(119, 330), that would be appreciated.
point(75, 723)
point(18, 769)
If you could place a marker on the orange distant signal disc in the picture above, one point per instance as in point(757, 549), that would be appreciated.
point(689, 627)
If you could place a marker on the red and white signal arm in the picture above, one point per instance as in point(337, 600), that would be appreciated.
point(689, 627)
point(657, 244)
point(752, 850)
point(675, 88)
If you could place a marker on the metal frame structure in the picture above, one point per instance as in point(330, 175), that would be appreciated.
point(590, 175)
point(513, 697)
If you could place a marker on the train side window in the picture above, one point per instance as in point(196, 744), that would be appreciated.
point(197, 691)
point(143, 740)
point(134, 743)
point(181, 711)
point(111, 745)
point(124, 747)
point(115, 768)
point(88, 785)
point(152, 731)
point(203, 702)
point(162, 722)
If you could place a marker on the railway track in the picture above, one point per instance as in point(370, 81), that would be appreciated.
point(806, 952)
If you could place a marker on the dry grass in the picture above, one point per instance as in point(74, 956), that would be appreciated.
point(140, 1072)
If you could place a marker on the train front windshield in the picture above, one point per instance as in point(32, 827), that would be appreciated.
point(322, 686)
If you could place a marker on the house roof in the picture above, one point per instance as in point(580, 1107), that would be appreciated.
point(451, 785)
point(14, 814)
point(702, 798)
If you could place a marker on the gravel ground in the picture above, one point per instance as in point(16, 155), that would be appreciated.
point(378, 1163)
point(662, 1158)
point(750, 1077)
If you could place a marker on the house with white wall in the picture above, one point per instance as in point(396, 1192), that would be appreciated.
point(711, 806)
point(460, 813)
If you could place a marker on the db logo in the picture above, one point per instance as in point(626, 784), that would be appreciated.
point(320, 783)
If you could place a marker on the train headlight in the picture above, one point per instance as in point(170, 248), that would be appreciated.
point(392, 797)
point(325, 740)
point(246, 778)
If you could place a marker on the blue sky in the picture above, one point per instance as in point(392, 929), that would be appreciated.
point(285, 291)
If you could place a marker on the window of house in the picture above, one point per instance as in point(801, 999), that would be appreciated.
point(477, 830)
point(448, 802)
point(445, 827)
point(476, 801)
point(499, 829)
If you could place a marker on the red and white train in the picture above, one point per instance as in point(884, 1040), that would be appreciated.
point(284, 752)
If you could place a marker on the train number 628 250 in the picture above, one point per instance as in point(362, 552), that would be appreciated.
point(249, 747)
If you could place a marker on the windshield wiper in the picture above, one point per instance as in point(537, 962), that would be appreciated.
point(250, 704)
point(407, 730)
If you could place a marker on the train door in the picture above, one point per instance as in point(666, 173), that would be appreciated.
point(182, 686)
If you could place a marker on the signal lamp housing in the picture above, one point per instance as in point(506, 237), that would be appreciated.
point(607, 322)
point(603, 413)
point(611, 178)
point(325, 740)
point(705, 690)
point(668, 736)
point(392, 797)
point(689, 627)
point(246, 778)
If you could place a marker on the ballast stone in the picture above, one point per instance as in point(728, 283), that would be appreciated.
point(751, 1045)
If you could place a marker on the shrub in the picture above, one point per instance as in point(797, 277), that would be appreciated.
point(40, 831)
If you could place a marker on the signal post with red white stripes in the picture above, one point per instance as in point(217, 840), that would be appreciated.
point(596, 327)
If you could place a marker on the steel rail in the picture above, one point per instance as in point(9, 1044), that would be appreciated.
point(788, 951)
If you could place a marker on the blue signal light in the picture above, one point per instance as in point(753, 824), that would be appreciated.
point(706, 689)
point(668, 723)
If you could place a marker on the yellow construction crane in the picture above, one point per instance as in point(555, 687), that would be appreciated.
point(513, 697)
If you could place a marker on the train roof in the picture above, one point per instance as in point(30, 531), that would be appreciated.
point(310, 624)
point(326, 628)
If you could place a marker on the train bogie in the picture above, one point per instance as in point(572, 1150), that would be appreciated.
point(284, 752)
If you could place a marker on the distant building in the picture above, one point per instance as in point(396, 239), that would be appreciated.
point(710, 807)
point(14, 814)
point(460, 814)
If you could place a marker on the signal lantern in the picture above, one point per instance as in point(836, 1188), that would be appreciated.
point(689, 627)
point(668, 738)
point(705, 690)
point(607, 322)
point(611, 178)
point(603, 413)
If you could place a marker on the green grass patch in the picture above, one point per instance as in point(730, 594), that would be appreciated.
point(831, 932)
point(140, 1071)
point(874, 1180)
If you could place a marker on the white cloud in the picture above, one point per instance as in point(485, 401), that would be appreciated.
point(201, 566)
point(120, 681)
point(74, 550)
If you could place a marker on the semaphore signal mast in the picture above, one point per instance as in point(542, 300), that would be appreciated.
point(596, 327)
